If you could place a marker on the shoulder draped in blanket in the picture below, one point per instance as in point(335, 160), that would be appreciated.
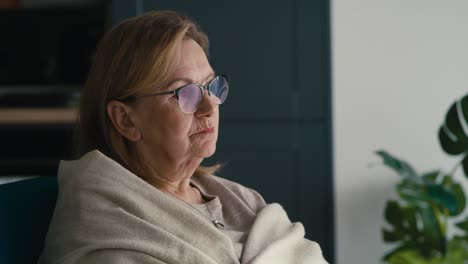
point(106, 214)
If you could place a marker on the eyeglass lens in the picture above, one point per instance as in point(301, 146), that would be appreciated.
point(191, 95)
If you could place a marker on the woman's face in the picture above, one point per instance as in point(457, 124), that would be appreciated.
point(167, 133)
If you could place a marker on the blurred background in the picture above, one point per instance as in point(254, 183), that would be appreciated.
point(317, 87)
point(397, 67)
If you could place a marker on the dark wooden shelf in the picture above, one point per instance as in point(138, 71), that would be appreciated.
point(37, 116)
point(34, 140)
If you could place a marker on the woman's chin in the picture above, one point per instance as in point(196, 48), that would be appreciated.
point(207, 151)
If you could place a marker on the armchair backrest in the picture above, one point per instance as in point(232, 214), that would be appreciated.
point(26, 208)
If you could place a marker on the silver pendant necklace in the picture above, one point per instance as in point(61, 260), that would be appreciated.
point(215, 222)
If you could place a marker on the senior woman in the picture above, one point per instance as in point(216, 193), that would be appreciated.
point(149, 115)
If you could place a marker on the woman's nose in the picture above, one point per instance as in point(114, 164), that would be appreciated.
point(207, 105)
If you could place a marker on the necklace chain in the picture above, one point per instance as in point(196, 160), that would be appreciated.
point(215, 222)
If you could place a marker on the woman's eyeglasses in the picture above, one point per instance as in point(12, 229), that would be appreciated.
point(190, 96)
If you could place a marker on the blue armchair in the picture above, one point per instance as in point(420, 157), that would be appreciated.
point(26, 208)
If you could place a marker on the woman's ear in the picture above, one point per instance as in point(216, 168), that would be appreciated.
point(118, 113)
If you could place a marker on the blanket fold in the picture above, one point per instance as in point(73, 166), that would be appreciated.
point(274, 239)
point(106, 214)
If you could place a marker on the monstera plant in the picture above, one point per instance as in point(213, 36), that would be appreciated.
point(430, 203)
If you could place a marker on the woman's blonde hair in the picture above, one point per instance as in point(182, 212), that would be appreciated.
point(138, 53)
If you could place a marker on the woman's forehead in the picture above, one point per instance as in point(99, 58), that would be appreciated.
point(192, 62)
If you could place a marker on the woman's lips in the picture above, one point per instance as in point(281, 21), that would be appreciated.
point(205, 132)
point(208, 130)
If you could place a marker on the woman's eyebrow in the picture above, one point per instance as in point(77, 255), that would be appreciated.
point(188, 80)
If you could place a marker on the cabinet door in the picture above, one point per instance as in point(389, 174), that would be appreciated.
point(275, 126)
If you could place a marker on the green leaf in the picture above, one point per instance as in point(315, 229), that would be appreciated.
point(393, 213)
point(448, 195)
point(463, 225)
point(403, 221)
point(452, 136)
point(402, 218)
point(465, 166)
point(457, 253)
point(443, 197)
point(431, 177)
point(408, 257)
point(399, 166)
point(457, 190)
point(396, 251)
point(447, 181)
point(415, 227)
point(411, 192)
point(392, 236)
point(460, 197)
point(433, 235)
point(465, 238)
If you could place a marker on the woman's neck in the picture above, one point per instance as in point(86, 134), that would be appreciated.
point(173, 179)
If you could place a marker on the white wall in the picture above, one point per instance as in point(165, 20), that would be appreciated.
point(397, 66)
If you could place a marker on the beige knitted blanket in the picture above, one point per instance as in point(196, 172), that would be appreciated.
point(106, 214)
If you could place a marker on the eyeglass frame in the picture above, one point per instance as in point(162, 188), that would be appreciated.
point(176, 91)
